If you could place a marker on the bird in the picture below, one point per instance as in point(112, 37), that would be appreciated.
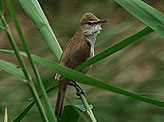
point(78, 50)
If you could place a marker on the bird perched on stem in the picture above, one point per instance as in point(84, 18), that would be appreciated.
point(78, 49)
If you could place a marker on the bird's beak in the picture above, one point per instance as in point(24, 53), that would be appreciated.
point(102, 21)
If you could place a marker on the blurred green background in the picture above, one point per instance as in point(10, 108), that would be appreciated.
point(138, 68)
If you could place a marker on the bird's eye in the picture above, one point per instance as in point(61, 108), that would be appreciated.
point(89, 23)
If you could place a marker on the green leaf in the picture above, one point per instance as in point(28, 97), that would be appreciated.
point(12, 69)
point(33, 9)
point(111, 50)
point(144, 12)
point(84, 79)
point(116, 47)
point(82, 108)
point(35, 57)
point(24, 68)
point(70, 113)
point(16, 71)
point(48, 106)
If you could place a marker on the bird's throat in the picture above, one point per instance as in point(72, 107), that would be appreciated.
point(92, 37)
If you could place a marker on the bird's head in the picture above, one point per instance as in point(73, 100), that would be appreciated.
point(90, 24)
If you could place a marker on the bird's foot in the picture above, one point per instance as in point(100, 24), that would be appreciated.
point(78, 89)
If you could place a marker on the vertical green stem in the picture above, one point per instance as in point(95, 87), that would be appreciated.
point(86, 105)
point(24, 69)
point(88, 109)
point(49, 109)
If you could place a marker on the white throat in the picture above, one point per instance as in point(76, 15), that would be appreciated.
point(92, 33)
point(92, 37)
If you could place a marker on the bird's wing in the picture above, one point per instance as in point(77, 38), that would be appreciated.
point(75, 53)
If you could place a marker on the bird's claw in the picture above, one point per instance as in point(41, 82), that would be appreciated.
point(78, 93)
point(78, 89)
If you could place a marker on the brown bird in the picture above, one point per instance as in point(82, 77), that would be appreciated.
point(78, 49)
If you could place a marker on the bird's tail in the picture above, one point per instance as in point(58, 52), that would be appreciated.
point(60, 97)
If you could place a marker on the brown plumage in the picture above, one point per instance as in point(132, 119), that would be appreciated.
point(78, 49)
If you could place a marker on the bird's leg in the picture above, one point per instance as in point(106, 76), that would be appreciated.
point(78, 88)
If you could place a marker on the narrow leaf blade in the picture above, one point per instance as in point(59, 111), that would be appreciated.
point(144, 12)
point(12, 69)
point(81, 78)
point(49, 109)
point(35, 12)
